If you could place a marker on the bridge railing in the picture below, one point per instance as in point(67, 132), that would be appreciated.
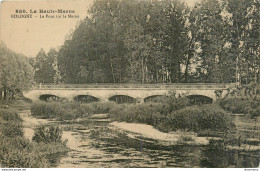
point(133, 86)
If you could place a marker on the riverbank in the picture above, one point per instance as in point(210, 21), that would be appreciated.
point(95, 141)
point(17, 147)
point(149, 132)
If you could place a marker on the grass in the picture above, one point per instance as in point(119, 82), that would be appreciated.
point(242, 105)
point(171, 117)
point(17, 151)
point(69, 110)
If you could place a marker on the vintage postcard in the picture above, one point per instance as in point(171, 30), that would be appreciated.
point(130, 84)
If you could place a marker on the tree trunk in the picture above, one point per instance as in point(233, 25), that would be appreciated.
point(179, 71)
point(143, 72)
point(5, 94)
point(111, 65)
point(188, 61)
point(187, 69)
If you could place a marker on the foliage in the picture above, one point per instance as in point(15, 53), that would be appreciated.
point(141, 44)
point(55, 110)
point(142, 113)
point(45, 66)
point(16, 74)
point(97, 107)
point(18, 152)
point(151, 112)
point(172, 100)
point(242, 105)
point(69, 110)
point(47, 134)
point(190, 118)
point(163, 41)
point(194, 118)
point(243, 34)
point(10, 123)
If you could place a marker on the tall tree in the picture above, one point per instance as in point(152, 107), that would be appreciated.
point(44, 66)
point(16, 73)
point(244, 37)
point(211, 38)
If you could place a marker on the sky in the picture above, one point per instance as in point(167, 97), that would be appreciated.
point(29, 35)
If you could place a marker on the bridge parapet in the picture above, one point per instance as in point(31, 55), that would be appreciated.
point(137, 91)
point(135, 86)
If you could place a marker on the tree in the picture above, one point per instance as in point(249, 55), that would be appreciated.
point(211, 38)
point(44, 66)
point(16, 73)
point(162, 42)
point(244, 38)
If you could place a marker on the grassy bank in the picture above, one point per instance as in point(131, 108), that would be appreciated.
point(17, 151)
point(69, 110)
point(166, 113)
point(242, 105)
point(186, 118)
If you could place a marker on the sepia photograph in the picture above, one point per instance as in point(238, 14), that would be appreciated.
point(130, 84)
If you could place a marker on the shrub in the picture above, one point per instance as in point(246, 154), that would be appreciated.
point(69, 110)
point(11, 129)
point(191, 118)
point(185, 119)
point(16, 151)
point(241, 105)
point(173, 102)
point(151, 112)
point(97, 107)
point(9, 115)
point(194, 118)
point(11, 123)
point(214, 118)
point(47, 134)
point(148, 113)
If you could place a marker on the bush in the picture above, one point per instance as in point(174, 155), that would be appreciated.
point(185, 119)
point(148, 113)
point(16, 151)
point(173, 102)
point(242, 105)
point(151, 112)
point(11, 123)
point(11, 129)
point(194, 118)
point(47, 135)
point(97, 107)
point(215, 118)
point(9, 115)
point(191, 118)
point(69, 110)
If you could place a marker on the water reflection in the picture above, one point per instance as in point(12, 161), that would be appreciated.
point(98, 146)
point(215, 155)
point(93, 144)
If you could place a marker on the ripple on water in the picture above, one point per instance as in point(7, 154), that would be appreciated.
point(93, 144)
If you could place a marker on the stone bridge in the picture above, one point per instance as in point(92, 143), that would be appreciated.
point(138, 92)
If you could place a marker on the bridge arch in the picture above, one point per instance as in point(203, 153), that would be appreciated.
point(85, 98)
point(48, 97)
point(197, 99)
point(153, 97)
point(122, 99)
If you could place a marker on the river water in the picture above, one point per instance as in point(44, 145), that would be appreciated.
point(94, 143)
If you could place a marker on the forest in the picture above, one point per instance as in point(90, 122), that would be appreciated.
point(16, 73)
point(147, 42)
point(139, 42)
point(133, 41)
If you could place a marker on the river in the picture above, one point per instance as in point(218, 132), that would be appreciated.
point(95, 143)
